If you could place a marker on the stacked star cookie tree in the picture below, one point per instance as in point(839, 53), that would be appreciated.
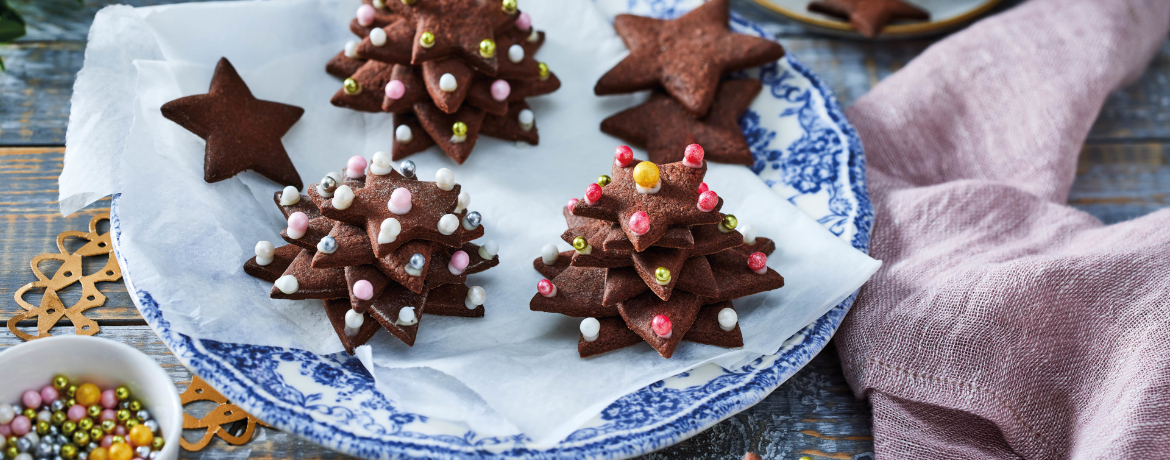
point(653, 260)
point(449, 71)
point(684, 61)
point(381, 248)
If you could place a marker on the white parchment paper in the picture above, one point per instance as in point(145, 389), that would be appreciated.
point(514, 370)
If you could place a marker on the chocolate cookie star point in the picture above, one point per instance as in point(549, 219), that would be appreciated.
point(869, 17)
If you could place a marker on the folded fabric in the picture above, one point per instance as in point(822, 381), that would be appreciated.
point(1005, 323)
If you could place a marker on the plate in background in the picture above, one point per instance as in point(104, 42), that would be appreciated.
point(945, 15)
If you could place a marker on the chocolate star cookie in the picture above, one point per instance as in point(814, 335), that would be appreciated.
point(869, 16)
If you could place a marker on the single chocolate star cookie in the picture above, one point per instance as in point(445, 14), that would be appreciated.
point(242, 132)
point(869, 16)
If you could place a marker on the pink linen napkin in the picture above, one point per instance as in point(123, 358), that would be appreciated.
point(1004, 323)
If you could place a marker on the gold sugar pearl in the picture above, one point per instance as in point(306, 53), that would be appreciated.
point(459, 128)
point(487, 48)
point(544, 72)
point(603, 180)
point(351, 87)
point(729, 222)
point(509, 6)
point(579, 243)
point(427, 39)
point(662, 274)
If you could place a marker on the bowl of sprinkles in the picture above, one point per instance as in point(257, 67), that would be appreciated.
point(86, 398)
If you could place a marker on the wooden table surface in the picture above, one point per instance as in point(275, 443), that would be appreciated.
point(1122, 174)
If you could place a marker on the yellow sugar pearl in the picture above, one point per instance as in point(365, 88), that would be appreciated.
point(140, 435)
point(487, 48)
point(662, 274)
point(60, 382)
point(603, 180)
point(646, 174)
point(579, 243)
point(509, 6)
point(459, 128)
point(351, 87)
point(88, 394)
point(543, 70)
point(101, 453)
point(427, 39)
point(121, 451)
point(729, 222)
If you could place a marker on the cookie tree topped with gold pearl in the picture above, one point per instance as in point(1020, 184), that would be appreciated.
point(379, 247)
point(449, 70)
point(653, 260)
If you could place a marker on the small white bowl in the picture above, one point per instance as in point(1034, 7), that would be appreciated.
point(107, 363)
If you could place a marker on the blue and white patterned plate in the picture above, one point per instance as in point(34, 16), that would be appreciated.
point(804, 148)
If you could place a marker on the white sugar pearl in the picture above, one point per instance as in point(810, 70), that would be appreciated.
point(447, 83)
point(549, 254)
point(403, 134)
point(406, 317)
point(389, 231)
point(527, 119)
point(445, 179)
point(351, 49)
point(354, 320)
point(489, 250)
point(290, 196)
point(380, 164)
point(590, 329)
point(378, 37)
point(464, 201)
point(516, 53)
point(379, 4)
point(727, 319)
point(749, 233)
point(287, 284)
point(534, 36)
point(342, 197)
point(6, 414)
point(476, 296)
point(448, 224)
point(265, 252)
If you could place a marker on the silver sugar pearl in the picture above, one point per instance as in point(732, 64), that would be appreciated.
point(328, 244)
point(417, 261)
point(53, 430)
point(143, 415)
point(23, 444)
point(17, 409)
point(83, 456)
point(329, 184)
point(92, 446)
point(153, 455)
point(153, 425)
point(142, 451)
point(44, 449)
point(57, 448)
point(473, 219)
point(57, 405)
point(124, 405)
point(33, 439)
point(61, 439)
point(407, 168)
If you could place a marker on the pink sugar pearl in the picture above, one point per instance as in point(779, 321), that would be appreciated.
point(21, 425)
point(298, 223)
point(5, 431)
point(399, 201)
point(500, 90)
point(524, 21)
point(75, 413)
point(363, 289)
point(109, 400)
point(639, 223)
point(31, 399)
point(459, 261)
point(107, 441)
point(703, 188)
point(120, 431)
point(623, 156)
point(572, 202)
point(365, 15)
point(661, 326)
point(708, 200)
point(395, 89)
point(693, 156)
point(356, 166)
point(108, 414)
point(48, 394)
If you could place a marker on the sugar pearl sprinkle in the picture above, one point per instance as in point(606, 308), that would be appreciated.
point(389, 230)
point(355, 167)
point(728, 319)
point(380, 164)
point(516, 53)
point(590, 329)
point(37, 426)
point(287, 284)
point(572, 203)
point(703, 187)
point(448, 224)
point(353, 322)
point(639, 223)
point(592, 193)
point(327, 245)
point(365, 15)
point(749, 233)
point(708, 201)
point(661, 326)
point(458, 263)
point(415, 265)
point(403, 134)
point(378, 37)
point(646, 178)
point(527, 119)
point(351, 49)
point(758, 262)
point(524, 21)
point(472, 220)
point(447, 83)
point(265, 253)
point(400, 201)
point(445, 179)
point(342, 197)
point(363, 289)
point(463, 202)
point(328, 184)
point(546, 288)
point(395, 89)
point(406, 317)
point(298, 224)
point(407, 169)
point(501, 89)
point(549, 254)
point(489, 250)
point(476, 296)
point(290, 196)
point(623, 156)
point(693, 156)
